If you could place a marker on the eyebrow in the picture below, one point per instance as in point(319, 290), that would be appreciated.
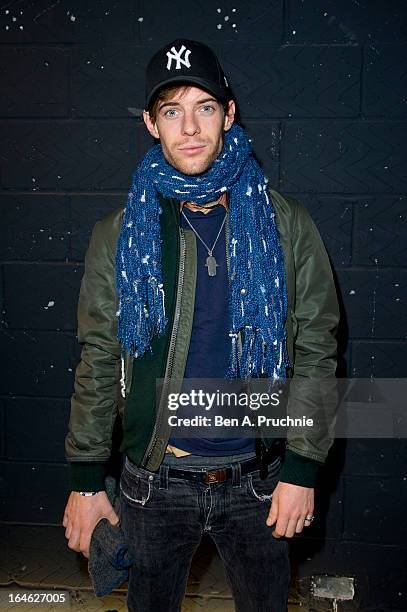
point(173, 103)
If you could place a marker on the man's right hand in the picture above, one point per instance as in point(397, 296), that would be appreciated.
point(82, 514)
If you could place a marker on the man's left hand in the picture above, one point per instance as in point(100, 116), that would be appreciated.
point(290, 505)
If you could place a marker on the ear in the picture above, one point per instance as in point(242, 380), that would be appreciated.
point(151, 126)
point(229, 116)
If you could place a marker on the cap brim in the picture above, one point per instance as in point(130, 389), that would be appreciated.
point(213, 88)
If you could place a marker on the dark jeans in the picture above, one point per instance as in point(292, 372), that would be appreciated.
point(164, 518)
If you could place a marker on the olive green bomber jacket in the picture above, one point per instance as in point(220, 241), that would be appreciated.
point(106, 385)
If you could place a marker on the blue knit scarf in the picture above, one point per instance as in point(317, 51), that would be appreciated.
point(257, 295)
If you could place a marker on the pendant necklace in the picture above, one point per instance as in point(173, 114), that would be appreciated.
point(210, 260)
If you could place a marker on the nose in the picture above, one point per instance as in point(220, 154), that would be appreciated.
point(190, 125)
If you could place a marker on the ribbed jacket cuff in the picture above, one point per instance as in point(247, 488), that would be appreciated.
point(87, 476)
point(299, 470)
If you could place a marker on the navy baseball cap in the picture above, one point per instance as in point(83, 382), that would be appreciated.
point(186, 61)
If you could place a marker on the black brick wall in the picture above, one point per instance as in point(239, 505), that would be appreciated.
point(321, 87)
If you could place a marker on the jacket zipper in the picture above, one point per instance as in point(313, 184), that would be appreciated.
point(227, 235)
point(227, 245)
point(171, 351)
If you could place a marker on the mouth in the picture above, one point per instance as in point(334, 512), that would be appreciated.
point(192, 149)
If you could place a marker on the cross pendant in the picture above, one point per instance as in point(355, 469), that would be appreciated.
point(211, 265)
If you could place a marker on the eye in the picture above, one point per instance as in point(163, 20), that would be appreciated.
point(170, 113)
point(208, 109)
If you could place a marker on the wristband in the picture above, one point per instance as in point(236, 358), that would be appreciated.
point(87, 493)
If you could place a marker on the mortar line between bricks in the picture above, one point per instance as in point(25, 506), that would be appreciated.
point(281, 158)
point(141, 45)
point(3, 291)
point(70, 119)
point(333, 119)
point(348, 362)
point(343, 506)
point(60, 262)
point(69, 333)
point(285, 17)
point(21, 524)
point(347, 195)
point(38, 462)
point(352, 233)
point(68, 212)
point(344, 196)
point(39, 397)
point(68, 71)
point(137, 26)
point(4, 425)
point(348, 541)
point(361, 79)
point(10, 192)
point(375, 543)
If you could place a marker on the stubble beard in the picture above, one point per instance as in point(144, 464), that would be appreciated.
point(192, 167)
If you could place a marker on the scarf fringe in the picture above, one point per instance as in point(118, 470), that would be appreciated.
point(138, 341)
point(260, 357)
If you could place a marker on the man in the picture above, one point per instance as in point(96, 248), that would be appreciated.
point(208, 273)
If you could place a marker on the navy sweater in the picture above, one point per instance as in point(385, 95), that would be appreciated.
point(210, 343)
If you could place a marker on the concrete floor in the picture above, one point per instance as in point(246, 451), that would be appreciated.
point(35, 559)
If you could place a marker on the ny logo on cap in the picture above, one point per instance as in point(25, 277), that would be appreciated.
point(176, 56)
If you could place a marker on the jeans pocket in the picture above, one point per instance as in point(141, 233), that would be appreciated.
point(137, 489)
point(262, 489)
